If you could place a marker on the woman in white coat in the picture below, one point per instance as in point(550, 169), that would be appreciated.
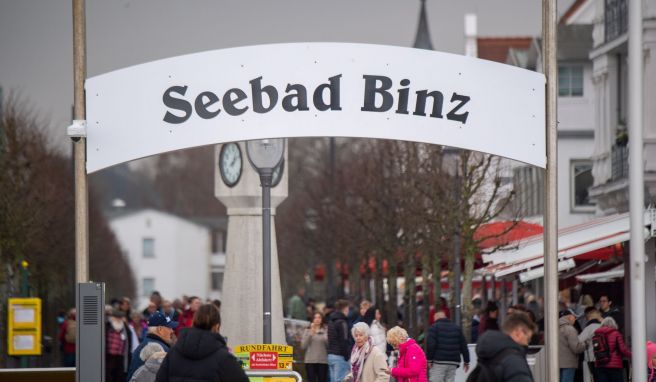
point(368, 364)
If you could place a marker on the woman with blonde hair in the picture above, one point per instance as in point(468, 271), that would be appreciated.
point(368, 364)
point(412, 364)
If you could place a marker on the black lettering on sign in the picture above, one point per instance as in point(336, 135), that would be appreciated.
point(205, 100)
point(463, 99)
point(300, 96)
point(176, 104)
point(257, 90)
point(333, 88)
point(371, 88)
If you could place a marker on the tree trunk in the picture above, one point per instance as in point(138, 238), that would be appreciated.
point(425, 270)
point(437, 281)
point(378, 284)
point(392, 316)
point(467, 290)
point(410, 291)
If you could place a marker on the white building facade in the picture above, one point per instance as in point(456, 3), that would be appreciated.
point(170, 254)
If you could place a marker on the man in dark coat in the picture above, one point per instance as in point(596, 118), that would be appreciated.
point(446, 344)
point(339, 347)
point(505, 351)
point(160, 331)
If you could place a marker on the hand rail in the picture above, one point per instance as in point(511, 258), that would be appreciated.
point(274, 373)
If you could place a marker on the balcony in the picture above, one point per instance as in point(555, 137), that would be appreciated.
point(619, 162)
point(615, 19)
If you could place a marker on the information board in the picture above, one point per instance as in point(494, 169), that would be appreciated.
point(265, 356)
point(24, 326)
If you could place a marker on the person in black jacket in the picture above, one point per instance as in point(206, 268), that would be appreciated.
point(339, 346)
point(201, 353)
point(505, 351)
point(446, 344)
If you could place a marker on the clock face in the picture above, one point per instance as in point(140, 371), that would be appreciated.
point(277, 173)
point(230, 164)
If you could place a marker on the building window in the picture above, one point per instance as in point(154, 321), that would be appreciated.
point(148, 247)
point(570, 81)
point(147, 286)
point(581, 180)
point(216, 280)
point(218, 242)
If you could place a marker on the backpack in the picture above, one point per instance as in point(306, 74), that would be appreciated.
point(601, 349)
point(71, 329)
point(484, 370)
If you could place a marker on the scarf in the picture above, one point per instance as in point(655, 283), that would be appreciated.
point(358, 356)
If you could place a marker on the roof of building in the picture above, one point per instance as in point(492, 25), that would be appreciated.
point(422, 39)
point(216, 223)
point(497, 48)
point(571, 11)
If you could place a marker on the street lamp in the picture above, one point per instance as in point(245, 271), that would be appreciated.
point(265, 155)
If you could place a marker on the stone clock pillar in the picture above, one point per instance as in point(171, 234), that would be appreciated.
point(242, 303)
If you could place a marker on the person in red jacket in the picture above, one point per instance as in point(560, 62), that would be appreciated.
point(67, 338)
point(412, 364)
point(611, 371)
point(187, 318)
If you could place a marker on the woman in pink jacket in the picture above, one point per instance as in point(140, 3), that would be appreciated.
point(412, 363)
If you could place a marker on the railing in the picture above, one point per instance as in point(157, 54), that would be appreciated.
point(615, 19)
point(282, 375)
point(619, 162)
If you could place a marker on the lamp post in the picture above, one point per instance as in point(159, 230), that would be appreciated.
point(264, 155)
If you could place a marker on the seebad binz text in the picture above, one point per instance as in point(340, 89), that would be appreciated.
point(377, 97)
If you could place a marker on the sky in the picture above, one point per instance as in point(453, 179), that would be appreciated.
point(36, 54)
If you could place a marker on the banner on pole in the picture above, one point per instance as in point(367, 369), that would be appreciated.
point(315, 90)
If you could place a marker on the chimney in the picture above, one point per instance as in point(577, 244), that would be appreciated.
point(471, 47)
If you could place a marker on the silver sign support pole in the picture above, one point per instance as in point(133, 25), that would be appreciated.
point(549, 25)
point(636, 193)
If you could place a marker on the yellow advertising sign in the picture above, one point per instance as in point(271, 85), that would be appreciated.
point(266, 357)
point(24, 326)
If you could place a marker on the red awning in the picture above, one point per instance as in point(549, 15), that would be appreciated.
point(502, 233)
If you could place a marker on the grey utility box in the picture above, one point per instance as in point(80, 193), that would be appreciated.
point(90, 344)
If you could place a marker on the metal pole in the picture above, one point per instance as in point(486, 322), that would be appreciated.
point(636, 193)
point(549, 25)
point(265, 177)
point(80, 152)
point(81, 194)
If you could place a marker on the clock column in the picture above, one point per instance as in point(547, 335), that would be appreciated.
point(241, 307)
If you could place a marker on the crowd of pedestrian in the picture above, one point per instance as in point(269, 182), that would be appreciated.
point(586, 330)
point(180, 339)
point(166, 341)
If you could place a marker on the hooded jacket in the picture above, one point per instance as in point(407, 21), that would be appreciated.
point(569, 345)
point(412, 363)
point(200, 355)
point(148, 371)
point(511, 368)
point(338, 335)
point(651, 352)
point(616, 347)
point(136, 361)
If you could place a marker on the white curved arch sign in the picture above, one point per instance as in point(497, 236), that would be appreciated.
point(314, 90)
